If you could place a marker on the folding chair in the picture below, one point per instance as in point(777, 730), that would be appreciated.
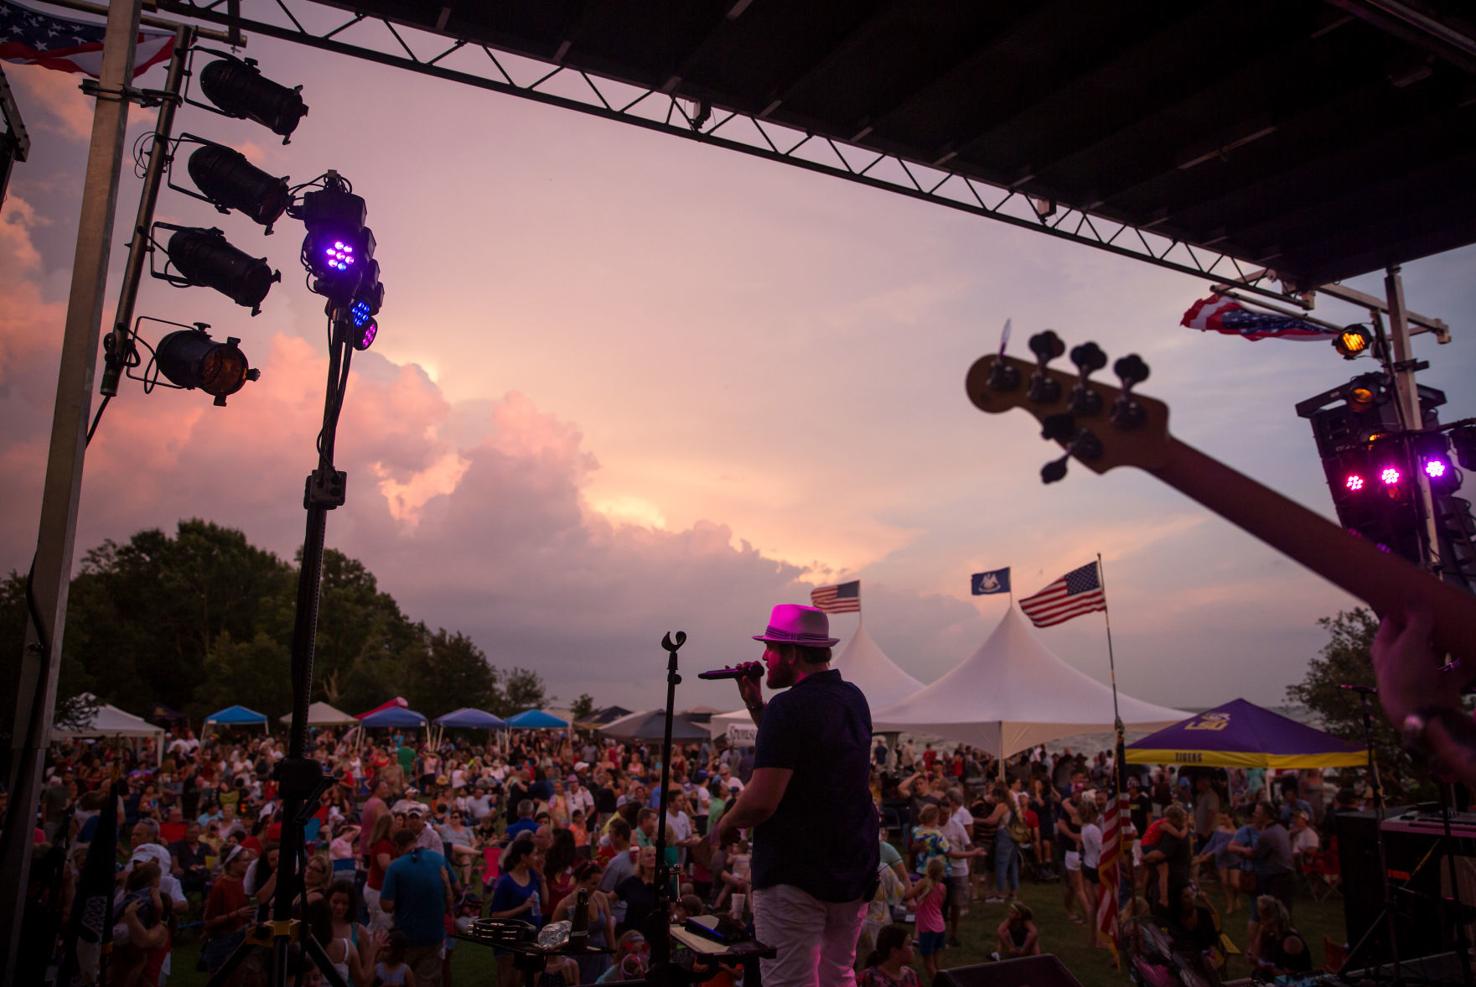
point(1322, 872)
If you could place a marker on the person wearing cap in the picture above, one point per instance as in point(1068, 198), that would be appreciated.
point(426, 838)
point(815, 832)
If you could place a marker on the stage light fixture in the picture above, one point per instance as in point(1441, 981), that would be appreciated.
point(1354, 482)
point(1390, 475)
point(1353, 341)
point(189, 358)
point(1361, 397)
point(237, 87)
point(365, 307)
point(1464, 440)
point(204, 257)
point(230, 181)
point(1436, 468)
point(339, 248)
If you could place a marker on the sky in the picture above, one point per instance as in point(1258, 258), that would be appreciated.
point(628, 384)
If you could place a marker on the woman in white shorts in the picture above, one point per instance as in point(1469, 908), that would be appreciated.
point(1068, 829)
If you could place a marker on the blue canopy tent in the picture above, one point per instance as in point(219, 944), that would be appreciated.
point(467, 718)
point(392, 717)
point(536, 719)
point(236, 716)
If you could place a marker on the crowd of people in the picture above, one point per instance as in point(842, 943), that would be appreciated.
point(413, 842)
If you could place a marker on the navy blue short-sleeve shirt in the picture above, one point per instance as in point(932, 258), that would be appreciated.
point(823, 838)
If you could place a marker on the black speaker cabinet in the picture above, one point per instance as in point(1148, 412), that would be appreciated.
point(1025, 971)
point(1418, 870)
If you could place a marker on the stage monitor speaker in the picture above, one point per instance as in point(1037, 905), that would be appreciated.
point(1424, 913)
point(1025, 971)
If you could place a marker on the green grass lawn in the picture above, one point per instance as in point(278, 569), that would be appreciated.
point(473, 965)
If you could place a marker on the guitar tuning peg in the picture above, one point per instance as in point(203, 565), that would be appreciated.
point(1058, 428)
point(1131, 370)
point(1127, 412)
point(1046, 346)
point(1002, 376)
point(1088, 358)
point(1083, 445)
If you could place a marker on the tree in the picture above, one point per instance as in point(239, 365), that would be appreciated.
point(360, 625)
point(143, 615)
point(454, 674)
point(255, 673)
point(72, 709)
point(200, 619)
point(583, 707)
point(522, 689)
point(1345, 659)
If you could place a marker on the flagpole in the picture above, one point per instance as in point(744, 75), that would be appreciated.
point(1119, 760)
point(1111, 659)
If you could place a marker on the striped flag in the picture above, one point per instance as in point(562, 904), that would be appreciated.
point(1108, 866)
point(842, 598)
point(1076, 593)
point(32, 37)
point(1225, 315)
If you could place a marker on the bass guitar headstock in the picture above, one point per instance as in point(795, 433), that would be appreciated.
point(1101, 426)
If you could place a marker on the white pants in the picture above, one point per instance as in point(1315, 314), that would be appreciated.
point(379, 919)
point(815, 940)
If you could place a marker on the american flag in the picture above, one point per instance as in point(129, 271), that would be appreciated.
point(1076, 593)
point(1108, 864)
point(31, 37)
point(842, 598)
point(1220, 314)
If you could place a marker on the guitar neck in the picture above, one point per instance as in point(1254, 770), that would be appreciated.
point(1386, 582)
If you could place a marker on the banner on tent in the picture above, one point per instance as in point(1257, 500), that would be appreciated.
point(742, 734)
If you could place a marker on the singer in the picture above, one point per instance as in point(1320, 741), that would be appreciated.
point(816, 845)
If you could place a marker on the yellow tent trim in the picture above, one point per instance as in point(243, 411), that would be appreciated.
point(1248, 759)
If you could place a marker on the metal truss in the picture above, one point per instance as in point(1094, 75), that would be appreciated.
point(378, 39)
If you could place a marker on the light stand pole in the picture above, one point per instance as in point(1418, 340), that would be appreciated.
point(300, 778)
point(116, 345)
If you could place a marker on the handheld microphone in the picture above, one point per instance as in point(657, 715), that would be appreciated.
point(746, 670)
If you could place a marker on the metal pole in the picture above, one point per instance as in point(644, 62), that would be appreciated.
point(1111, 660)
point(116, 345)
point(1408, 395)
point(51, 571)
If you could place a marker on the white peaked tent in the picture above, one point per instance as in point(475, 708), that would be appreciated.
point(863, 662)
point(110, 721)
point(321, 714)
point(1012, 694)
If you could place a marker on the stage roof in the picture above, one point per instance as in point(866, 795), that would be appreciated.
point(1319, 139)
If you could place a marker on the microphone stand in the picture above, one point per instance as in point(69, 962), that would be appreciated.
point(659, 934)
point(1453, 904)
point(1386, 914)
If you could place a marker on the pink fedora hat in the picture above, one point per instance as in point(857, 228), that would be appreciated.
point(791, 623)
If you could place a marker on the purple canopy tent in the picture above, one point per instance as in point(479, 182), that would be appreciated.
point(1241, 734)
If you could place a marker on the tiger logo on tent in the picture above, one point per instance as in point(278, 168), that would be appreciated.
point(1210, 721)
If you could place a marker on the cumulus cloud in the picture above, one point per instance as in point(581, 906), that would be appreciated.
point(481, 523)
